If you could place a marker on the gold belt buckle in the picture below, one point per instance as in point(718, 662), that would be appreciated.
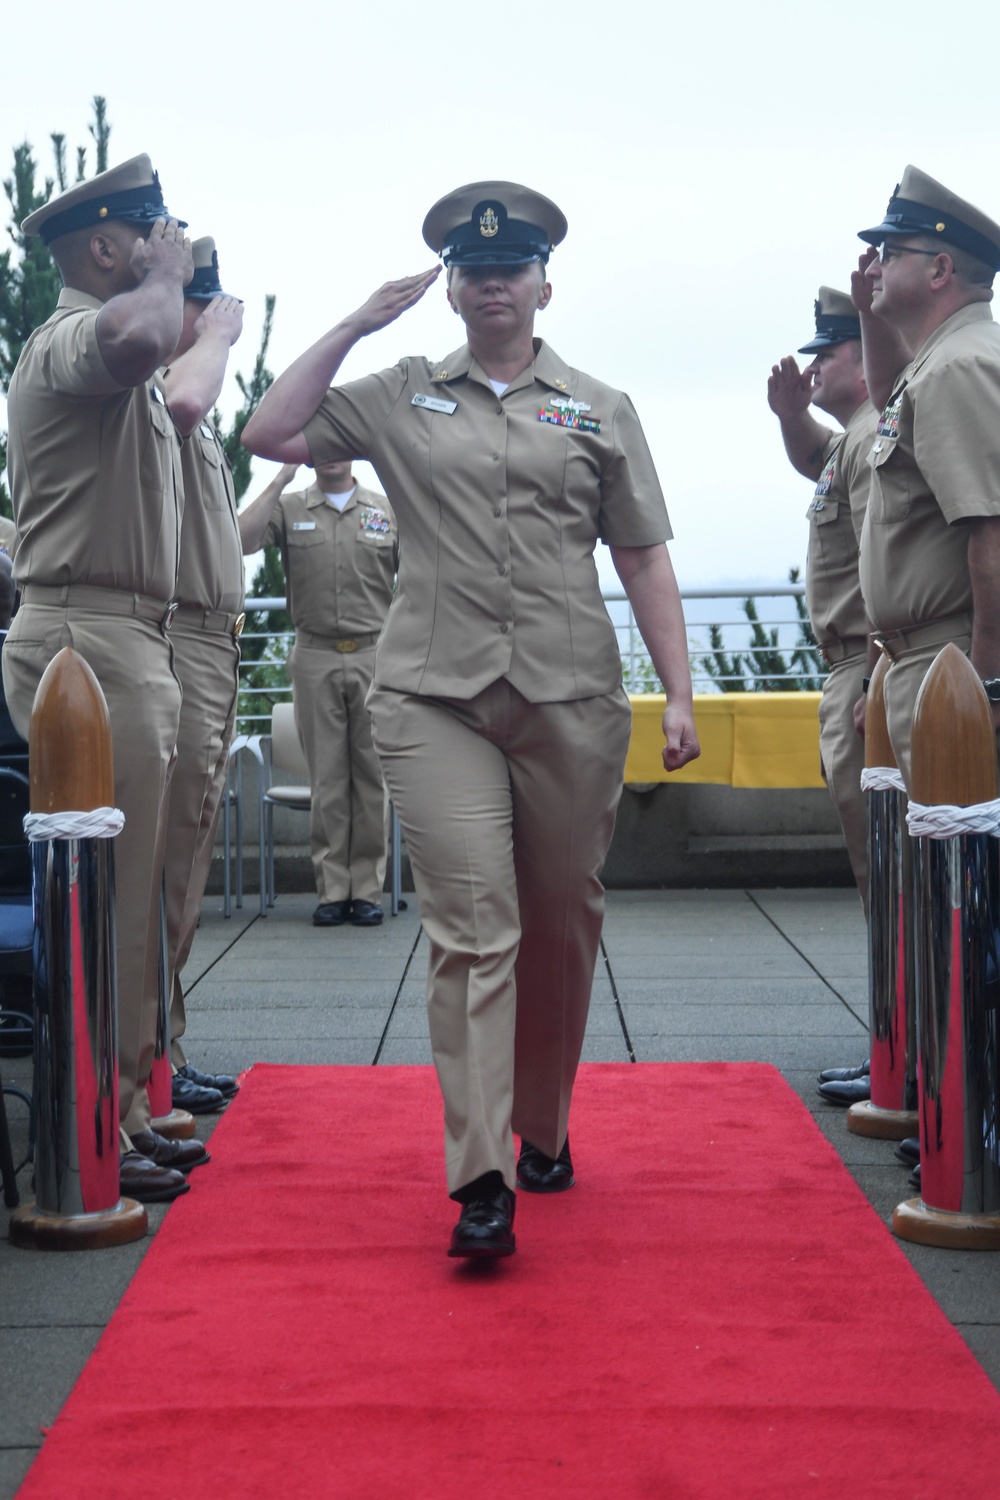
point(883, 646)
point(168, 618)
point(345, 647)
point(241, 621)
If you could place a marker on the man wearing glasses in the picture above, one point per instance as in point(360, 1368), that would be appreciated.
point(930, 549)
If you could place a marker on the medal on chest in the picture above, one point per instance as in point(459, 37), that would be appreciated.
point(373, 522)
point(825, 481)
point(562, 411)
point(888, 422)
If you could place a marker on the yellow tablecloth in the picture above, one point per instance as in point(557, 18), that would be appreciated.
point(747, 739)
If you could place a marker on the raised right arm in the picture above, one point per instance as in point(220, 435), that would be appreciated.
point(254, 520)
point(276, 428)
point(138, 330)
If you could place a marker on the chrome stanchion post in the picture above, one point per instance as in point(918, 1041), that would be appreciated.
point(890, 1113)
point(72, 826)
point(954, 816)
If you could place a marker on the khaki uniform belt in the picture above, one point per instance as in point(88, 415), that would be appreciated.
point(215, 621)
point(834, 652)
point(101, 601)
point(897, 643)
point(345, 644)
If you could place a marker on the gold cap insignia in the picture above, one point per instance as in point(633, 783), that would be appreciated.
point(441, 375)
point(103, 213)
point(562, 385)
point(939, 227)
point(488, 224)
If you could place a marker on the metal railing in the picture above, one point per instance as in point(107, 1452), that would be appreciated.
point(637, 671)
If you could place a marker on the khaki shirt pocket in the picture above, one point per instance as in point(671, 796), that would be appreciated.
point(158, 454)
point(889, 500)
point(214, 492)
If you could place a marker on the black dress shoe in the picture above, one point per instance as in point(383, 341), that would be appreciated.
point(366, 914)
point(538, 1173)
point(182, 1156)
point(485, 1228)
point(224, 1082)
point(195, 1099)
point(846, 1075)
point(914, 1177)
point(331, 913)
point(142, 1179)
point(908, 1151)
point(852, 1091)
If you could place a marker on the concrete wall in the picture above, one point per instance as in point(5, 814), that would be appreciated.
point(666, 835)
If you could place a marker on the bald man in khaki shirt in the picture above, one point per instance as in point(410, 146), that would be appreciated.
point(95, 481)
point(339, 549)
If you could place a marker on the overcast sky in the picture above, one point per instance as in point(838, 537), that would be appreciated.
point(714, 162)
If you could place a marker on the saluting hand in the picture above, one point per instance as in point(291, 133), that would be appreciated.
point(223, 317)
point(396, 297)
point(285, 475)
point(789, 389)
point(681, 737)
point(861, 285)
point(167, 252)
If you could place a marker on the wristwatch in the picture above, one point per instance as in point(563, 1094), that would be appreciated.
point(992, 687)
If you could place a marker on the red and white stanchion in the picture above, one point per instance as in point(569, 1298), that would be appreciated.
point(954, 820)
point(890, 1114)
point(72, 826)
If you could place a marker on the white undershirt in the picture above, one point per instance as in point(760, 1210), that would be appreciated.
point(340, 501)
point(499, 386)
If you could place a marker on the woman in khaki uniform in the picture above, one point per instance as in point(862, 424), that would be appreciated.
point(497, 705)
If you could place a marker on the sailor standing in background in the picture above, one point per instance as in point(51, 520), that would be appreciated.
point(339, 550)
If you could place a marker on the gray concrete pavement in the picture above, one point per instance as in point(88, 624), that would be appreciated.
point(775, 976)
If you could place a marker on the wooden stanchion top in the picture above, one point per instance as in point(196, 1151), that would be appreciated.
point(878, 746)
point(954, 751)
point(69, 739)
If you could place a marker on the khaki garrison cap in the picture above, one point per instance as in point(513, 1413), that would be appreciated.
point(205, 283)
point(130, 192)
point(837, 321)
point(919, 205)
point(493, 224)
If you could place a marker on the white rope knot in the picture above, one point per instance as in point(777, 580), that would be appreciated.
point(101, 823)
point(882, 779)
point(947, 822)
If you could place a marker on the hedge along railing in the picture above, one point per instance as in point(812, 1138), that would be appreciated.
point(779, 656)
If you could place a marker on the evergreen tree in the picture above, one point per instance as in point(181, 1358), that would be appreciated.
point(29, 279)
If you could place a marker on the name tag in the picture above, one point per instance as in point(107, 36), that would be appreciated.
point(435, 403)
point(303, 525)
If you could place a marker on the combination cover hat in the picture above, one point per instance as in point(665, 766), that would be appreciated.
point(837, 321)
point(919, 205)
point(494, 223)
point(130, 192)
point(205, 283)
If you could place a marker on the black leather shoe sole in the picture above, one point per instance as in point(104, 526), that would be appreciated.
point(846, 1075)
point(365, 914)
point(331, 913)
point(908, 1151)
point(853, 1091)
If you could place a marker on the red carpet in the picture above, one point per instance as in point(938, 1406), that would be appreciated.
point(714, 1311)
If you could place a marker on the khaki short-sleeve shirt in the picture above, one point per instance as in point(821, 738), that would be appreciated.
point(935, 463)
point(500, 502)
point(210, 569)
point(340, 566)
point(836, 515)
point(94, 466)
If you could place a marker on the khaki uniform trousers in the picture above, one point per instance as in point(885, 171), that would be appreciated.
point(842, 751)
point(347, 818)
point(508, 808)
point(131, 658)
point(902, 684)
point(207, 664)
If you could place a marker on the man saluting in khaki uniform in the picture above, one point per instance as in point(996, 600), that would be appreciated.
point(93, 475)
point(204, 637)
point(338, 546)
point(930, 550)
